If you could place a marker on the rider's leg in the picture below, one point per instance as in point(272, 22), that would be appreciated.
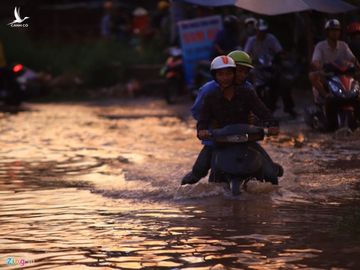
point(271, 170)
point(317, 82)
point(357, 109)
point(284, 91)
point(323, 100)
point(201, 166)
point(288, 101)
point(331, 107)
point(273, 95)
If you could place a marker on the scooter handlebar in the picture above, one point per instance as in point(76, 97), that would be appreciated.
point(238, 134)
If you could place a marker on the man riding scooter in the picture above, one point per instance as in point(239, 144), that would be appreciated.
point(268, 54)
point(328, 51)
point(243, 66)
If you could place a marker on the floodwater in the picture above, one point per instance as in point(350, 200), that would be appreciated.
point(96, 186)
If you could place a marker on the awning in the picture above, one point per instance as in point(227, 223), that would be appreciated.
point(277, 7)
point(211, 3)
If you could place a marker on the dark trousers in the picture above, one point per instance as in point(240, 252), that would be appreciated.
point(203, 162)
point(331, 109)
point(283, 90)
point(270, 170)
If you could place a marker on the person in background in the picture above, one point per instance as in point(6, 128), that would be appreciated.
point(106, 20)
point(161, 22)
point(121, 26)
point(227, 39)
point(249, 30)
point(266, 44)
point(141, 21)
point(331, 50)
point(141, 27)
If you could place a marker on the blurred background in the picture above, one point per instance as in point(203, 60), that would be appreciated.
point(77, 45)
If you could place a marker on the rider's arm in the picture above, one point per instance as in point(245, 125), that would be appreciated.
point(315, 66)
point(275, 44)
point(205, 117)
point(351, 56)
point(203, 91)
point(203, 134)
point(316, 61)
point(195, 108)
point(262, 112)
point(249, 45)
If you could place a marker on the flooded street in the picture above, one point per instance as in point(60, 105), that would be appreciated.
point(97, 186)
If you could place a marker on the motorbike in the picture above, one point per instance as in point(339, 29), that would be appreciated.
point(237, 157)
point(11, 91)
point(344, 90)
point(173, 73)
point(271, 76)
point(263, 74)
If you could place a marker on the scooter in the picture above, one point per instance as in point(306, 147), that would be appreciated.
point(344, 91)
point(173, 73)
point(271, 76)
point(11, 92)
point(263, 80)
point(237, 157)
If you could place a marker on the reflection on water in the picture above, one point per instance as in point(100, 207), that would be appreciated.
point(104, 193)
point(68, 228)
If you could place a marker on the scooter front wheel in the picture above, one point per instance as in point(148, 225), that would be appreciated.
point(346, 119)
point(235, 186)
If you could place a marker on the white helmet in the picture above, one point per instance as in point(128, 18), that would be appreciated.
point(332, 24)
point(175, 51)
point(221, 62)
point(251, 20)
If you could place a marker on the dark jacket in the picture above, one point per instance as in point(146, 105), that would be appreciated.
point(218, 112)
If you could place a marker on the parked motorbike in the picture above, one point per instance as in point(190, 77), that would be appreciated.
point(344, 90)
point(237, 157)
point(173, 73)
point(11, 91)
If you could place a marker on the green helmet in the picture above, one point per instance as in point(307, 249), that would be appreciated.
point(241, 58)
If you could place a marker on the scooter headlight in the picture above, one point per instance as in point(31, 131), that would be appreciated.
point(335, 88)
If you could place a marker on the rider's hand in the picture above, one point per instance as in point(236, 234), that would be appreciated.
point(328, 95)
point(272, 131)
point(203, 134)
